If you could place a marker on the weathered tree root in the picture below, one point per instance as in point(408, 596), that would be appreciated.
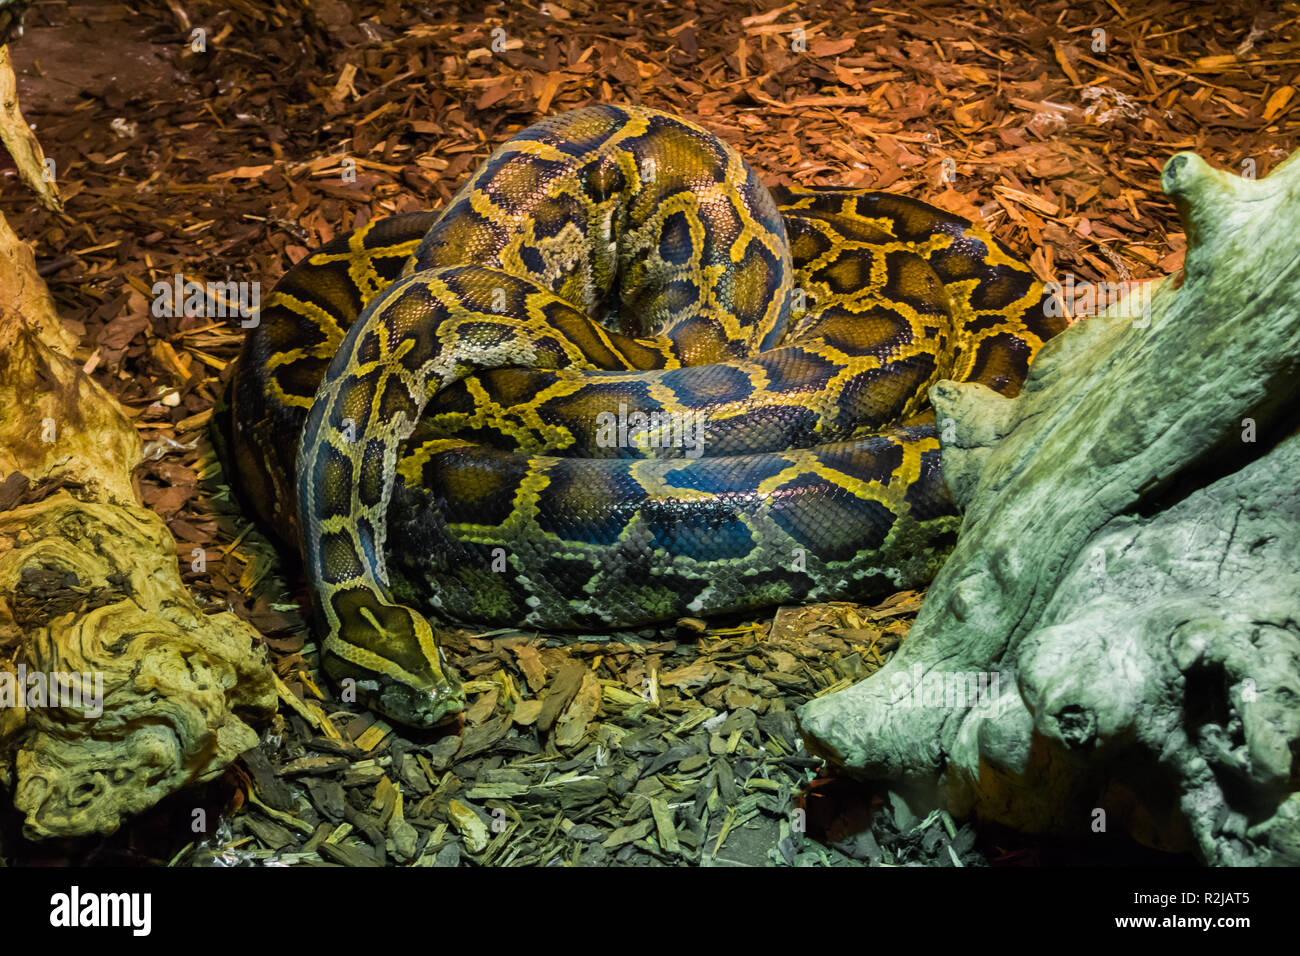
point(154, 693)
point(1128, 566)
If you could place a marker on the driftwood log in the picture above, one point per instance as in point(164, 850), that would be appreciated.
point(1116, 637)
point(115, 688)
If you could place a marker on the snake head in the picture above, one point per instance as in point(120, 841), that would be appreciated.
point(389, 655)
point(425, 706)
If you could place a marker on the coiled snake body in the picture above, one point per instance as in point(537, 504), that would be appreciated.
point(615, 382)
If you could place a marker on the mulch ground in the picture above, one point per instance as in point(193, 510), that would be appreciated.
point(226, 155)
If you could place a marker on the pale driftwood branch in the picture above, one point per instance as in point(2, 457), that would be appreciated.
point(1129, 565)
point(22, 144)
point(90, 586)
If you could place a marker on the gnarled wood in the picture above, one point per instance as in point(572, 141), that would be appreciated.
point(1128, 564)
point(156, 694)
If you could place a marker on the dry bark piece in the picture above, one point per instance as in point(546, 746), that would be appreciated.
point(1128, 566)
point(572, 724)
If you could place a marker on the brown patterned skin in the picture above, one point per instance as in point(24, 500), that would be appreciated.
point(431, 397)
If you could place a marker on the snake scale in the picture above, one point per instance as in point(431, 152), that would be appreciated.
point(616, 381)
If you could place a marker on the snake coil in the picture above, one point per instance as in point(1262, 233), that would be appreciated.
point(615, 381)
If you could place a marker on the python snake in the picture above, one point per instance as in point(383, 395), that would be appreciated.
point(616, 381)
